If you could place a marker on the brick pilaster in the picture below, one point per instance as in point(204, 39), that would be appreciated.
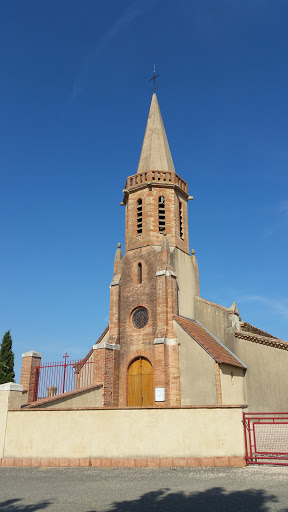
point(218, 383)
point(173, 374)
point(114, 320)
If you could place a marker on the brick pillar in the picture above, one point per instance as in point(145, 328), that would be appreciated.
point(30, 360)
point(106, 371)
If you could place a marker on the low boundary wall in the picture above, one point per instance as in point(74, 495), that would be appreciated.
point(188, 436)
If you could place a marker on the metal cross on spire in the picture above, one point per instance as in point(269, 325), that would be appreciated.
point(154, 78)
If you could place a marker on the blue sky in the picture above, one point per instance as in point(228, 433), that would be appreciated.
point(74, 101)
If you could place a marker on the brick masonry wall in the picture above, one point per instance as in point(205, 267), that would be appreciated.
point(158, 294)
point(123, 462)
point(150, 226)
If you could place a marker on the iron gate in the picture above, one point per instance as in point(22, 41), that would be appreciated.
point(52, 379)
point(266, 437)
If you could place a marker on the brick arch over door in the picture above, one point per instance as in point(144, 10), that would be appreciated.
point(140, 383)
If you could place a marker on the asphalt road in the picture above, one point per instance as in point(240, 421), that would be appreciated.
point(257, 489)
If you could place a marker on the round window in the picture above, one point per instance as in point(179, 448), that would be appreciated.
point(140, 318)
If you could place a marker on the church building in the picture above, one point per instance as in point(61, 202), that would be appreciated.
point(165, 346)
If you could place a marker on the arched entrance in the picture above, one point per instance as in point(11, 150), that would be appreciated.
point(140, 383)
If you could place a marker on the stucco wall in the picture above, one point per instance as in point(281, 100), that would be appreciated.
point(3, 419)
point(213, 432)
point(86, 398)
point(197, 374)
point(8, 400)
point(186, 281)
point(233, 385)
point(215, 319)
point(267, 376)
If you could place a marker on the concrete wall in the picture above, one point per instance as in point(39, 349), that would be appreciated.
point(217, 320)
point(11, 396)
point(3, 419)
point(233, 385)
point(212, 432)
point(187, 281)
point(83, 398)
point(267, 376)
point(197, 373)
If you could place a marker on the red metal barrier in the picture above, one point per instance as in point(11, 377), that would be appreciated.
point(266, 437)
point(53, 379)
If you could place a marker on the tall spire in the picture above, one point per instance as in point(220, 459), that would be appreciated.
point(155, 154)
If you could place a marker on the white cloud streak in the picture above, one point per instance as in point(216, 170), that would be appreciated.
point(276, 306)
point(136, 9)
point(281, 211)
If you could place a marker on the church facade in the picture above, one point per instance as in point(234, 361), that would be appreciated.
point(165, 346)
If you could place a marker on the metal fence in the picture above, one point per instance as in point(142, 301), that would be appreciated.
point(55, 378)
point(266, 438)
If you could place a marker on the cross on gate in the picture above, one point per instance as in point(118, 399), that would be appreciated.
point(64, 375)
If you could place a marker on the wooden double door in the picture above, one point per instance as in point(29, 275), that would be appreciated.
point(140, 383)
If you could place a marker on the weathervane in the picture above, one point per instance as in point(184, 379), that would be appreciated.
point(154, 78)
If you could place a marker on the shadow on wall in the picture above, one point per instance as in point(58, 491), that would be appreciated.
point(216, 500)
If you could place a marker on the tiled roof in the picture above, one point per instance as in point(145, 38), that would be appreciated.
point(208, 342)
point(254, 330)
point(262, 340)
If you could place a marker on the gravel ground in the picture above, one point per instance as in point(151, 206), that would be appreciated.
point(257, 489)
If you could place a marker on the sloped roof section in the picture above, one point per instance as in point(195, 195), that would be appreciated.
point(155, 154)
point(255, 330)
point(214, 347)
point(98, 341)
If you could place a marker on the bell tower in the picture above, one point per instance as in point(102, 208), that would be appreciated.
point(154, 280)
point(156, 197)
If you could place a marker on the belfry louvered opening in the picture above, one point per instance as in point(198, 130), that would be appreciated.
point(181, 220)
point(139, 216)
point(161, 213)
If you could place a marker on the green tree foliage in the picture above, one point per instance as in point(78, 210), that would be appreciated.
point(6, 360)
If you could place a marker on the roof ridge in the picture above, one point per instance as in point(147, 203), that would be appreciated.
point(85, 358)
point(214, 304)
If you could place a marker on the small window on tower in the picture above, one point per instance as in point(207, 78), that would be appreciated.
point(139, 217)
point(161, 213)
point(181, 220)
point(140, 273)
